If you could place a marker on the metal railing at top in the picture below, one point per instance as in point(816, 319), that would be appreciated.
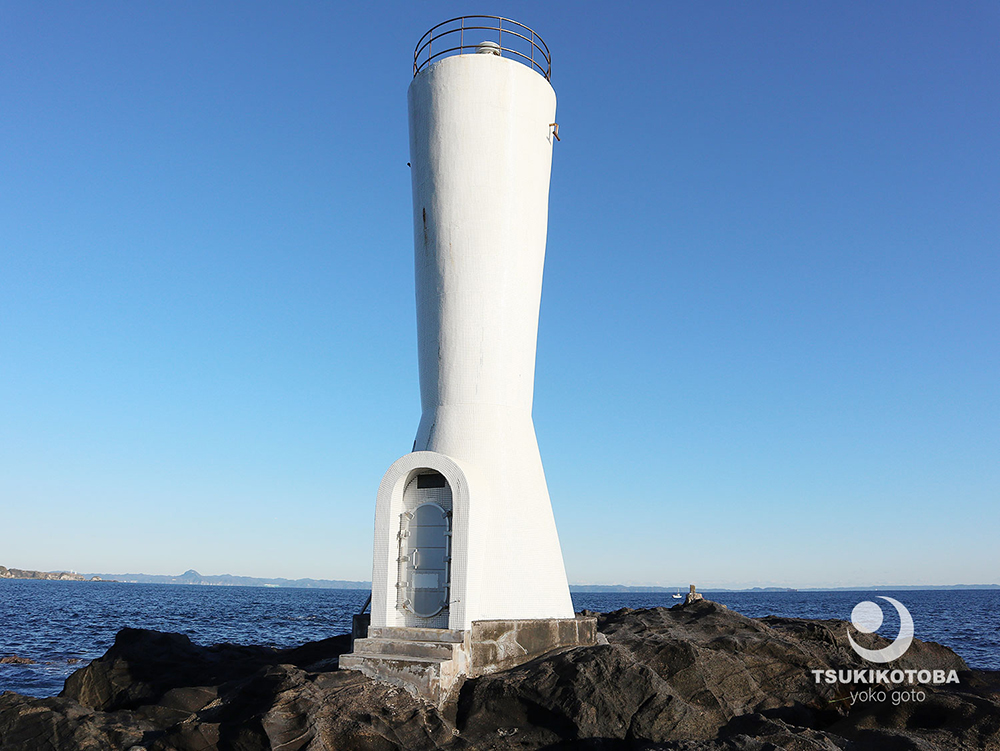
point(463, 35)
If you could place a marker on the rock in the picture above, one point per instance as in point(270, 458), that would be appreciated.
point(15, 660)
point(142, 666)
point(692, 596)
point(59, 723)
point(696, 676)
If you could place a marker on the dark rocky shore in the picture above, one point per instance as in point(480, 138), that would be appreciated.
point(695, 676)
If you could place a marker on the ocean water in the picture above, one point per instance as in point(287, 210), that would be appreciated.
point(64, 625)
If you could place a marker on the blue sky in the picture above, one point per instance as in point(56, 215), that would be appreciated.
point(768, 348)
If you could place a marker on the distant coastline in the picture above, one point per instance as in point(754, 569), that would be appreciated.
point(859, 588)
point(66, 576)
point(228, 580)
point(192, 577)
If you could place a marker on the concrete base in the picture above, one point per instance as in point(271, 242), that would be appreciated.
point(500, 645)
point(427, 662)
point(431, 663)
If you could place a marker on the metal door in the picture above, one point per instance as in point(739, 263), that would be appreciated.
point(427, 536)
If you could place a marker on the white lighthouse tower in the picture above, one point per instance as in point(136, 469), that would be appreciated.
point(468, 576)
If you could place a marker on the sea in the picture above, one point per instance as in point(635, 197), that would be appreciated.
point(62, 625)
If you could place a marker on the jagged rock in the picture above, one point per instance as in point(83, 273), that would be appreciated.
point(142, 666)
point(695, 676)
point(15, 660)
point(57, 723)
point(693, 596)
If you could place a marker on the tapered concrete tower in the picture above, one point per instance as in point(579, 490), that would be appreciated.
point(467, 564)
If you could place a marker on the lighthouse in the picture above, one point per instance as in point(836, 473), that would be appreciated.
point(468, 575)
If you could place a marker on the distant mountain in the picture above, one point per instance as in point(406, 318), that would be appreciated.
point(228, 580)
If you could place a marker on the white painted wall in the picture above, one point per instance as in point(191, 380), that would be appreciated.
point(481, 151)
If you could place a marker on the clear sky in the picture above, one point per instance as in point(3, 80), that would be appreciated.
point(768, 349)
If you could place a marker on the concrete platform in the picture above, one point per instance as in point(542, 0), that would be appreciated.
point(432, 663)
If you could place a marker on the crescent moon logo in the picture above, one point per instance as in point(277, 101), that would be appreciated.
point(867, 617)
